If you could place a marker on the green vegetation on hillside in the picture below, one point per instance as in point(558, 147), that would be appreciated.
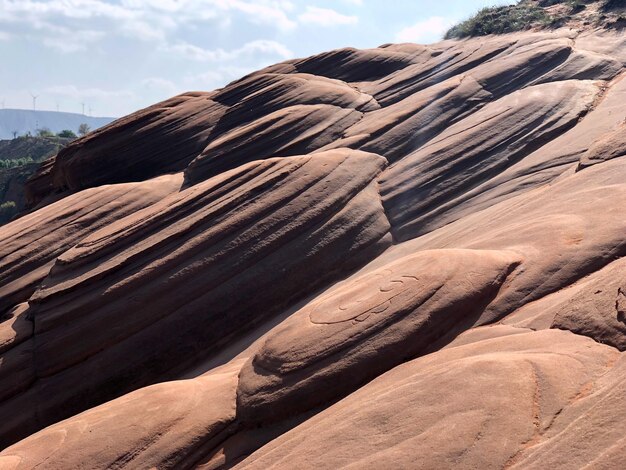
point(67, 134)
point(4, 164)
point(527, 14)
point(19, 159)
point(500, 20)
point(7, 211)
point(35, 149)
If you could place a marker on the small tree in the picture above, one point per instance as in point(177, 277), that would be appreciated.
point(67, 134)
point(44, 132)
point(15, 134)
point(7, 210)
point(83, 129)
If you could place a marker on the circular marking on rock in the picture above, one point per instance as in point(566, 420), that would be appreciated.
point(364, 297)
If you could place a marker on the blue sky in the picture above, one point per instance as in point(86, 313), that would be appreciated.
point(117, 56)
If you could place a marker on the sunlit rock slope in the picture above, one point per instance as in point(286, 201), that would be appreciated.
point(403, 257)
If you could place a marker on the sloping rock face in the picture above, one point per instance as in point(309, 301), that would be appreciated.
point(197, 267)
point(452, 409)
point(31, 244)
point(408, 256)
point(159, 139)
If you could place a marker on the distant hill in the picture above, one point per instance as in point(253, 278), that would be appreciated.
point(19, 159)
point(33, 148)
point(24, 121)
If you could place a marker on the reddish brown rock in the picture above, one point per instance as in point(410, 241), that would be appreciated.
point(429, 188)
point(295, 130)
point(16, 352)
point(168, 425)
point(38, 187)
point(609, 146)
point(196, 270)
point(354, 65)
point(595, 306)
point(556, 157)
point(367, 326)
point(29, 246)
point(448, 62)
point(584, 65)
point(588, 432)
point(523, 63)
point(264, 316)
point(257, 95)
point(560, 229)
point(160, 139)
point(480, 405)
point(403, 127)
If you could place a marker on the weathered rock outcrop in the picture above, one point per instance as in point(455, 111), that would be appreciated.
point(595, 306)
point(561, 232)
point(181, 278)
point(355, 65)
point(160, 139)
point(30, 245)
point(295, 130)
point(479, 405)
point(429, 188)
point(408, 256)
point(365, 327)
point(179, 422)
point(610, 145)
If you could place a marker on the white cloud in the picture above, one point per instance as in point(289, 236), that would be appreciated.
point(146, 20)
point(67, 25)
point(142, 30)
point(163, 5)
point(354, 2)
point(268, 47)
point(325, 17)
point(429, 30)
point(68, 41)
point(218, 77)
point(273, 13)
point(4, 36)
point(268, 12)
point(161, 85)
point(79, 9)
point(253, 48)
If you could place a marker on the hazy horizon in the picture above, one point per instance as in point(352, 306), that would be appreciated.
point(118, 56)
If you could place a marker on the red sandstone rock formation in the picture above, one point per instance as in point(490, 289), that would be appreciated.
point(404, 257)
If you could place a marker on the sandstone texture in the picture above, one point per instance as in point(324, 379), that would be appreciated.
point(410, 256)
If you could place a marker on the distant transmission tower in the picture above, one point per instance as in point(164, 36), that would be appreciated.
point(57, 103)
point(83, 108)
